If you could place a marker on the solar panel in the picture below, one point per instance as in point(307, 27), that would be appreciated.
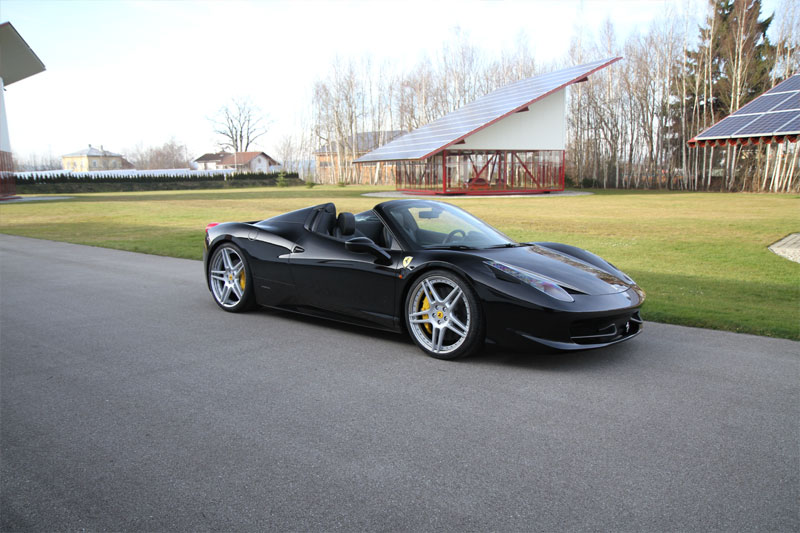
point(763, 103)
point(791, 127)
point(476, 115)
point(776, 112)
point(789, 84)
point(727, 127)
point(767, 123)
point(793, 102)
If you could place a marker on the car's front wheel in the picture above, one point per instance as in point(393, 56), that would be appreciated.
point(443, 315)
point(229, 278)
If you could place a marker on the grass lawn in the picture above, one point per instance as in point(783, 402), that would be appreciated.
point(702, 258)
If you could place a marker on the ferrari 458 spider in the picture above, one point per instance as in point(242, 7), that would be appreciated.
point(427, 267)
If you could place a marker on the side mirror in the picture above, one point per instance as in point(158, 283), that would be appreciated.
point(363, 245)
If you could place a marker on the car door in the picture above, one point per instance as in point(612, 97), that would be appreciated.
point(339, 283)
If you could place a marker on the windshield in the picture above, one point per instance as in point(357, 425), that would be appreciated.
point(429, 224)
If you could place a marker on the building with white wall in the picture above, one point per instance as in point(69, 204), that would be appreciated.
point(240, 161)
point(17, 62)
point(93, 158)
point(509, 141)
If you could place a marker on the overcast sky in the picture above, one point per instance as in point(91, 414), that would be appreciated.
point(120, 73)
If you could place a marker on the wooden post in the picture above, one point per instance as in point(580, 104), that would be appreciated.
point(710, 168)
point(784, 174)
point(791, 168)
point(766, 166)
point(776, 173)
point(444, 171)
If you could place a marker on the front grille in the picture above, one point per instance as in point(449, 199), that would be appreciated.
point(605, 329)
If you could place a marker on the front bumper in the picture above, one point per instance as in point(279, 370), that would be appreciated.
point(594, 333)
point(589, 322)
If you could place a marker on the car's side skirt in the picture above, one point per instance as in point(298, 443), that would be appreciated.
point(327, 315)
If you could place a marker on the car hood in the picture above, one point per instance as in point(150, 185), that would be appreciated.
point(568, 271)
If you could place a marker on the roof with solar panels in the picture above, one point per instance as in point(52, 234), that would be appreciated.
point(17, 60)
point(771, 118)
point(475, 124)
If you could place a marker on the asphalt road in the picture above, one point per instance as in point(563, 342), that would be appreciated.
point(129, 401)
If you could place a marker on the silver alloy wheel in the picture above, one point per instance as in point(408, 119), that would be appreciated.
point(438, 314)
point(228, 277)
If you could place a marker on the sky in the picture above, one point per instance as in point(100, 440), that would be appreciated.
point(140, 72)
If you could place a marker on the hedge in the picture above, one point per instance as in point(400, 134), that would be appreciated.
point(67, 183)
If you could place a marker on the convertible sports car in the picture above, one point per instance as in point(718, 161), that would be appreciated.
point(427, 267)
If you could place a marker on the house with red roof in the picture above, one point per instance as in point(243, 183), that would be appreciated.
point(241, 161)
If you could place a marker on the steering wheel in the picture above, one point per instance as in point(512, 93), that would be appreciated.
point(452, 235)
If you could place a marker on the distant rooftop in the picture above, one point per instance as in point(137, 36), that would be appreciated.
point(217, 156)
point(242, 158)
point(92, 151)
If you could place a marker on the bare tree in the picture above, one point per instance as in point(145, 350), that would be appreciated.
point(287, 152)
point(37, 161)
point(627, 127)
point(296, 153)
point(238, 124)
point(171, 154)
point(787, 60)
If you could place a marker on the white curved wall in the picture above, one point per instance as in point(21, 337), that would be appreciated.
point(5, 144)
point(542, 127)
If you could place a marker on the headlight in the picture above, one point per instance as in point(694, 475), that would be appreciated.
point(537, 281)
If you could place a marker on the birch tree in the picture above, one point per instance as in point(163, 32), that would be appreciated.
point(238, 124)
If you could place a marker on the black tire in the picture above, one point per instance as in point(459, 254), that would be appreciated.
point(230, 279)
point(454, 326)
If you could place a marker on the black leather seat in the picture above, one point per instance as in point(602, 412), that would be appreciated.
point(345, 225)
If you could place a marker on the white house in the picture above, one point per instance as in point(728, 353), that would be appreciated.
point(241, 161)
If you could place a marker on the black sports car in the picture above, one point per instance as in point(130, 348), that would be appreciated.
point(449, 279)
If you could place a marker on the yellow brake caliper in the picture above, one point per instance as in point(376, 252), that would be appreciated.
point(242, 278)
point(426, 305)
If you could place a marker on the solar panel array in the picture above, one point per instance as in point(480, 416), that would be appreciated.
point(476, 115)
point(776, 112)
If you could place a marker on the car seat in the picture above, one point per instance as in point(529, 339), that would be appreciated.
point(345, 225)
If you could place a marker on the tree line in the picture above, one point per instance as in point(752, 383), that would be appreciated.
point(237, 125)
point(627, 127)
point(54, 182)
point(169, 155)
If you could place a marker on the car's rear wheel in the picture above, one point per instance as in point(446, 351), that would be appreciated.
point(443, 315)
point(229, 278)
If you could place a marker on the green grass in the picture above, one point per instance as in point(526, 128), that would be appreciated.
point(702, 258)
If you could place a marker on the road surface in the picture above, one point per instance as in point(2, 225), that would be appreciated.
point(129, 401)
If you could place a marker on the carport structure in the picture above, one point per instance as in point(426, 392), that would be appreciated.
point(17, 62)
point(510, 141)
point(771, 119)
